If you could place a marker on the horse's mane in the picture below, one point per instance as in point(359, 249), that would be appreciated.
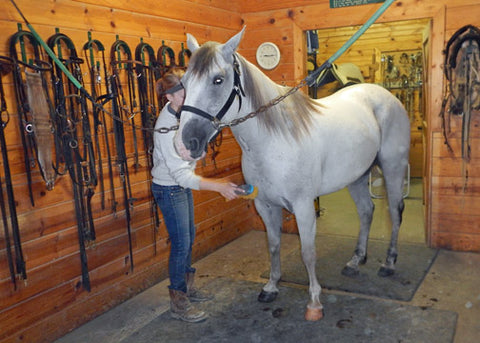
point(291, 117)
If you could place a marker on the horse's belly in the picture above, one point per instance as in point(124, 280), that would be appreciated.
point(345, 151)
point(341, 147)
point(339, 172)
point(312, 171)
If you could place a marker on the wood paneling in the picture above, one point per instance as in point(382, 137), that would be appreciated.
point(53, 301)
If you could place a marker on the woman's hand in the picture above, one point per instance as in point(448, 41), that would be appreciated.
point(226, 188)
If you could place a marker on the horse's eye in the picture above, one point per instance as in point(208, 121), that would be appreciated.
point(218, 80)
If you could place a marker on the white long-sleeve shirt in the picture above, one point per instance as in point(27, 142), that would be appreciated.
point(168, 167)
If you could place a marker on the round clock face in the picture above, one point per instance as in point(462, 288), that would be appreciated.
point(268, 55)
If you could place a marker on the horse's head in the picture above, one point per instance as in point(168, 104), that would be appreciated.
point(213, 94)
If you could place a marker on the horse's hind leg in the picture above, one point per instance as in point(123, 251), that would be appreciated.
point(272, 217)
point(365, 207)
point(394, 179)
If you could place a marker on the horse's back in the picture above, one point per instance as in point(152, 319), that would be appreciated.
point(357, 125)
point(384, 104)
point(390, 114)
point(391, 118)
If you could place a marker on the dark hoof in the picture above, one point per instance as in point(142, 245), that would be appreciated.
point(384, 271)
point(267, 297)
point(363, 260)
point(350, 272)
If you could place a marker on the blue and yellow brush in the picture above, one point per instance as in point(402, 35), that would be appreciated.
point(249, 192)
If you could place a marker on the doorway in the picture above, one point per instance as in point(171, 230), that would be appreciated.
point(392, 55)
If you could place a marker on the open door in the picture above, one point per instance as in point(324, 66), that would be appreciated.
point(426, 96)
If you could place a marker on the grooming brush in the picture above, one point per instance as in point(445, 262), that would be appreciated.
point(249, 192)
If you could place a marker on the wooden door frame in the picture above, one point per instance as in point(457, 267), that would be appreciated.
point(437, 16)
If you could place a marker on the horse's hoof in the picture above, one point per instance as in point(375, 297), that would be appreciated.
point(267, 297)
point(350, 272)
point(384, 271)
point(363, 260)
point(314, 314)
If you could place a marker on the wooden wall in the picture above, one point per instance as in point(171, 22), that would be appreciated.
point(451, 214)
point(52, 302)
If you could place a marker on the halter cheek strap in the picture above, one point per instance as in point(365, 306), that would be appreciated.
point(236, 91)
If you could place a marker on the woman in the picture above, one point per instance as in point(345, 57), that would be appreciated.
point(173, 181)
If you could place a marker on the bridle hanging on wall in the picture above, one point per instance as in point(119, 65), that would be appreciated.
point(462, 87)
point(73, 132)
point(19, 267)
point(95, 71)
point(146, 75)
point(30, 59)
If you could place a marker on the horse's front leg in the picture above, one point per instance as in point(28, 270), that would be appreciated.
point(305, 216)
point(272, 217)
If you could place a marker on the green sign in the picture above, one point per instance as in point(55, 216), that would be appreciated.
point(346, 3)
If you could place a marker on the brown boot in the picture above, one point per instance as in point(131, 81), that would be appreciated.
point(193, 293)
point(181, 308)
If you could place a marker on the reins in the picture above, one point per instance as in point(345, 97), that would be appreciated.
point(19, 268)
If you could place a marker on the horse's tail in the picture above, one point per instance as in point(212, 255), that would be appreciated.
point(394, 125)
point(393, 154)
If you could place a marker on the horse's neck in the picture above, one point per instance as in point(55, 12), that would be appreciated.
point(251, 136)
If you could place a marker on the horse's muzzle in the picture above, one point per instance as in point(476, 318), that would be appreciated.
point(192, 141)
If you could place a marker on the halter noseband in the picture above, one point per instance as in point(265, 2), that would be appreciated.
point(237, 90)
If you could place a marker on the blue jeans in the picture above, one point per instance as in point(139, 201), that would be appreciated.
point(176, 204)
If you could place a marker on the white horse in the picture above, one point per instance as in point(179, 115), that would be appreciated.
point(298, 149)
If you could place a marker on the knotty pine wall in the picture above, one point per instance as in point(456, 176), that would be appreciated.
point(52, 304)
point(52, 301)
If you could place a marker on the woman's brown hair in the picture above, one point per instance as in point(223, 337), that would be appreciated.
point(168, 81)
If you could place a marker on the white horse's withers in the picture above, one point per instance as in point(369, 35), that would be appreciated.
point(298, 149)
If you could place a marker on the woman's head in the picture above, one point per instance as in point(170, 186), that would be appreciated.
point(171, 87)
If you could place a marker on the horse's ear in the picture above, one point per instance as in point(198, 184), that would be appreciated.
point(192, 43)
point(231, 46)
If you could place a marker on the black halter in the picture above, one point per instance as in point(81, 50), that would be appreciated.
point(237, 90)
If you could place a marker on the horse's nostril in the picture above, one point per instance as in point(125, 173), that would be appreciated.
point(194, 144)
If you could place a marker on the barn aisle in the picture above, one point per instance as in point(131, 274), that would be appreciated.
point(452, 284)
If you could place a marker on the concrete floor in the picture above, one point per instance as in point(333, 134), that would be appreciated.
point(452, 283)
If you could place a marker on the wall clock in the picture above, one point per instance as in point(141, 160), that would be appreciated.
point(268, 55)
